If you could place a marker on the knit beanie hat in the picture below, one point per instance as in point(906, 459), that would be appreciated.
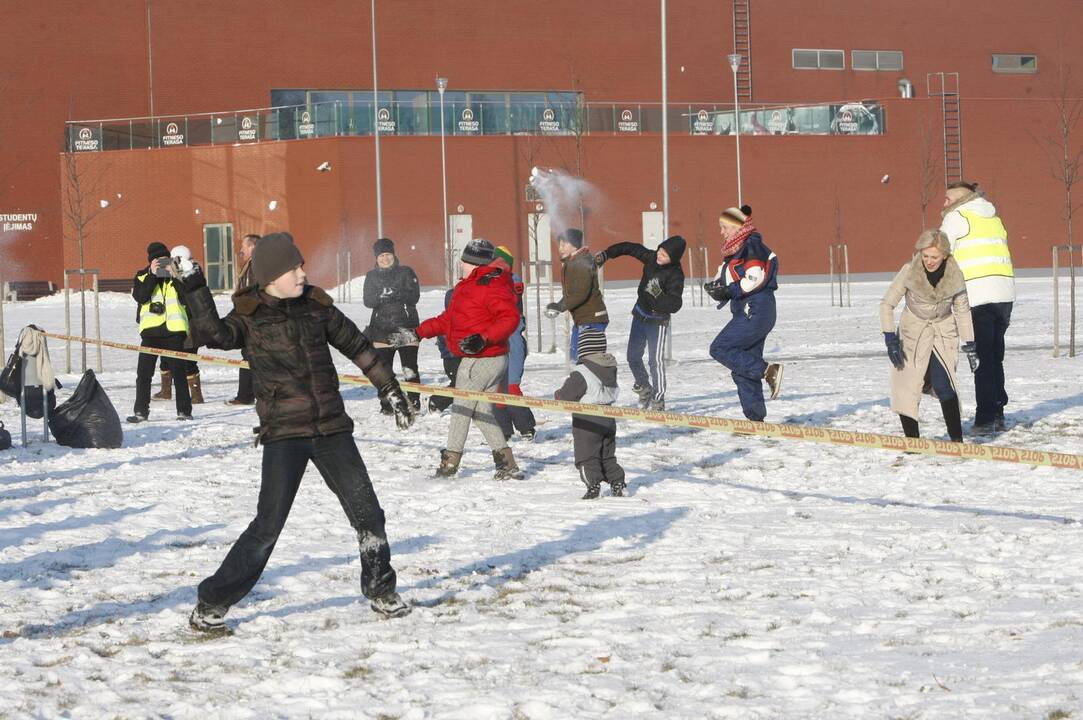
point(733, 216)
point(573, 237)
point(383, 245)
point(503, 253)
point(478, 252)
point(156, 250)
point(590, 341)
point(274, 255)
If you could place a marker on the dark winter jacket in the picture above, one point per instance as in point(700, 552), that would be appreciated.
point(392, 294)
point(753, 270)
point(582, 295)
point(288, 344)
point(484, 303)
point(143, 285)
point(441, 341)
point(670, 277)
point(588, 430)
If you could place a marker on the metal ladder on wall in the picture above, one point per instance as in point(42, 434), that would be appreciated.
point(742, 45)
point(945, 85)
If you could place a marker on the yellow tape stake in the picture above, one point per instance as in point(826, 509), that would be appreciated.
point(807, 433)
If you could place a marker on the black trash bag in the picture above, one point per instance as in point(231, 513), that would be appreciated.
point(87, 419)
point(5, 438)
point(33, 404)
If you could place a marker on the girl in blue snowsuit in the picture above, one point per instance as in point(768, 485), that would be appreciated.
point(747, 280)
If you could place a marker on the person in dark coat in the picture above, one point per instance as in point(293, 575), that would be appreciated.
point(245, 393)
point(163, 324)
point(287, 329)
point(392, 291)
point(594, 381)
point(582, 295)
point(746, 280)
point(661, 293)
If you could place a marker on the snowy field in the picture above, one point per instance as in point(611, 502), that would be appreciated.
point(742, 578)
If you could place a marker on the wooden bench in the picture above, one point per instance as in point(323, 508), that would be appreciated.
point(27, 289)
point(123, 285)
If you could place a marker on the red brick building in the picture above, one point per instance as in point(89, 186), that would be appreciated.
point(165, 63)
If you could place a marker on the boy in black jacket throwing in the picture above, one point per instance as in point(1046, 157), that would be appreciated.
point(660, 295)
point(594, 381)
point(287, 329)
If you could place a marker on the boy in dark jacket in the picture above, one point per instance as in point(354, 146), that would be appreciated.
point(392, 291)
point(594, 381)
point(287, 328)
point(514, 418)
point(440, 403)
point(747, 280)
point(579, 282)
point(661, 293)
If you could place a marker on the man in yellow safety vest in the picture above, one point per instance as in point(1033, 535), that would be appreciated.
point(979, 243)
point(163, 324)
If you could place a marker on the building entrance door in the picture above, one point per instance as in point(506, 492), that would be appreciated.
point(539, 247)
point(462, 232)
point(653, 229)
point(218, 255)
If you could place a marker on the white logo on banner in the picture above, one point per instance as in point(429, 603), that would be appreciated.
point(385, 123)
point(468, 124)
point(86, 140)
point(627, 122)
point(247, 132)
point(549, 122)
point(306, 127)
point(172, 135)
point(703, 125)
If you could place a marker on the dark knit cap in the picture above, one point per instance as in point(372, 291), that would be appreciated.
point(156, 250)
point(383, 245)
point(478, 252)
point(274, 255)
point(573, 237)
point(590, 341)
point(674, 246)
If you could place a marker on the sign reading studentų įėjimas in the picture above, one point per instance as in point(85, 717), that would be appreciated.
point(16, 222)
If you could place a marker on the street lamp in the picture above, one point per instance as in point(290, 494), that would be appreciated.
point(665, 131)
point(441, 85)
point(735, 65)
point(376, 131)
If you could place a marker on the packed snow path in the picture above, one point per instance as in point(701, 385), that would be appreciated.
point(742, 578)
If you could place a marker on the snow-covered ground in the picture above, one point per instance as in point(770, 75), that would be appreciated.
point(742, 578)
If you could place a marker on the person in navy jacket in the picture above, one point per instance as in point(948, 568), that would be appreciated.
point(746, 280)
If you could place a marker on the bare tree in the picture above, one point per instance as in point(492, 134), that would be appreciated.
point(82, 181)
point(928, 168)
point(1064, 146)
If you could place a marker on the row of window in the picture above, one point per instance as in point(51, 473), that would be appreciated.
point(892, 60)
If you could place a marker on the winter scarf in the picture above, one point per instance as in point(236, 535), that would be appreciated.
point(961, 201)
point(32, 343)
point(733, 245)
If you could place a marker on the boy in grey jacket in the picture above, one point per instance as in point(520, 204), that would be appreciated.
point(594, 381)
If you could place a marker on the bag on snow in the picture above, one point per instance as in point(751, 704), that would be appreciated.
point(5, 438)
point(87, 419)
point(11, 384)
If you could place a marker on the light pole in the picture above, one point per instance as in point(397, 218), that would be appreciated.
point(441, 85)
point(665, 131)
point(376, 131)
point(735, 65)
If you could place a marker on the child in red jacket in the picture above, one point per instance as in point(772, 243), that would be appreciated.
point(482, 314)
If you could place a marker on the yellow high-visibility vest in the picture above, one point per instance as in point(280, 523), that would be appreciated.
point(983, 251)
point(175, 317)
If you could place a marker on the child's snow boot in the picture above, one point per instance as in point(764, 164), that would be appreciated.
point(449, 463)
point(506, 469)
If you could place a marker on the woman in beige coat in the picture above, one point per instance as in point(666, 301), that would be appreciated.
point(925, 348)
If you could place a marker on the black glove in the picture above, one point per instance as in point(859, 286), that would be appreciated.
point(894, 350)
point(717, 290)
point(552, 310)
point(654, 287)
point(472, 344)
point(971, 355)
point(391, 394)
point(600, 258)
point(402, 337)
point(193, 279)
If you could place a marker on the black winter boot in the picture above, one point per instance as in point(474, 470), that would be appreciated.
point(910, 426)
point(952, 418)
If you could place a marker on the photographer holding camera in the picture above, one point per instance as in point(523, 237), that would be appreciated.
point(163, 324)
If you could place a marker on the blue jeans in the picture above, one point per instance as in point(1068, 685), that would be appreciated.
point(573, 348)
point(652, 338)
point(284, 463)
point(990, 323)
point(740, 348)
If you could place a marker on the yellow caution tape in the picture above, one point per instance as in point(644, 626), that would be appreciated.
point(807, 433)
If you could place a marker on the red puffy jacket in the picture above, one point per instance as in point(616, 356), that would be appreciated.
point(484, 302)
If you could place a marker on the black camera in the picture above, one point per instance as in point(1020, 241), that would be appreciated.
point(163, 271)
point(157, 308)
